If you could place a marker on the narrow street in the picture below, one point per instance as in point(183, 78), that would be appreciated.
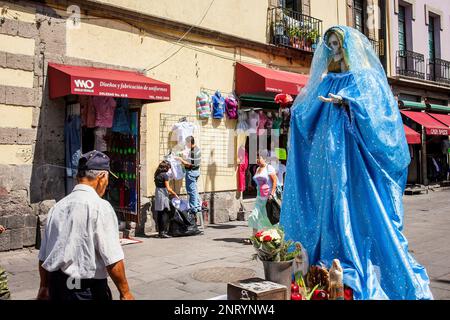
point(200, 267)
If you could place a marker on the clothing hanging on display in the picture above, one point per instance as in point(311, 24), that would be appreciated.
point(243, 166)
point(269, 121)
point(182, 130)
point(240, 145)
point(231, 107)
point(203, 105)
point(121, 121)
point(218, 103)
point(104, 111)
point(72, 140)
point(285, 123)
point(262, 123)
point(277, 125)
point(253, 119)
point(87, 111)
point(242, 125)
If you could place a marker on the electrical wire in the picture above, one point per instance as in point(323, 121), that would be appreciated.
point(170, 38)
point(181, 39)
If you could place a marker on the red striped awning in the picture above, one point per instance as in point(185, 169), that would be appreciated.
point(432, 126)
point(444, 118)
point(412, 137)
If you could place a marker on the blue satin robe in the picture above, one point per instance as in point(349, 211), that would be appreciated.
point(345, 179)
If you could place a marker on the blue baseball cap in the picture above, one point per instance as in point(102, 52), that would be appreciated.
point(95, 160)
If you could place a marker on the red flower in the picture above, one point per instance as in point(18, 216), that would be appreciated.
point(267, 238)
point(348, 293)
point(258, 234)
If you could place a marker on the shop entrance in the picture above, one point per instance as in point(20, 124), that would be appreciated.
point(103, 111)
point(117, 136)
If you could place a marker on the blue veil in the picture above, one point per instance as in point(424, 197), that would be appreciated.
point(346, 174)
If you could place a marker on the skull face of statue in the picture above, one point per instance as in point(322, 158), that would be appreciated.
point(334, 44)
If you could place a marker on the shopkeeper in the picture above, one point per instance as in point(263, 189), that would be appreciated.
point(192, 165)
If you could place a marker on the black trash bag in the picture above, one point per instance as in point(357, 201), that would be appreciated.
point(273, 208)
point(182, 223)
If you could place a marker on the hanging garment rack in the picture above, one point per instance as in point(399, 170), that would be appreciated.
point(214, 91)
point(251, 108)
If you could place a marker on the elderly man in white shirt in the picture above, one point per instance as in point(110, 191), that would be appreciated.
point(81, 244)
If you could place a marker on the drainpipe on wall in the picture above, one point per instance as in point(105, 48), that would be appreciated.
point(387, 45)
point(424, 157)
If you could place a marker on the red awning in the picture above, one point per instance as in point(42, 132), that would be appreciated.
point(65, 80)
point(254, 79)
point(432, 126)
point(444, 118)
point(412, 137)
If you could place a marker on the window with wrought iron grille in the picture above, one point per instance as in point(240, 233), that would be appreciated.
point(358, 15)
point(402, 28)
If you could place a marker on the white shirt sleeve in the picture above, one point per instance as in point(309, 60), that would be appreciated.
point(270, 170)
point(107, 235)
point(43, 247)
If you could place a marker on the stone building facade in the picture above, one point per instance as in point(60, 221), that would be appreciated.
point(127, 35)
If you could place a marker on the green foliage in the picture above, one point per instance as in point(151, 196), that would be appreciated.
point(275, 248)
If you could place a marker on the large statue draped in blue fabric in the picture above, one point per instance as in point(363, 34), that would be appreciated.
point(347, 171)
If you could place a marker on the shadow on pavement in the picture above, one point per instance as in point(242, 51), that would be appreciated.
point(235, 240)
point(222, 226)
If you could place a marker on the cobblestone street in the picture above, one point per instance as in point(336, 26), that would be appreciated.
point(199, 267)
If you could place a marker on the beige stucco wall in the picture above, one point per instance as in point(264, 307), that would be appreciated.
point(331, 12)
point(16, 154)
point(15, 44)
point(187, 71)
point(15, 116)
point(18, 78)
point(246, 19)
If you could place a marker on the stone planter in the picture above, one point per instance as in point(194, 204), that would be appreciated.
point(279, 272)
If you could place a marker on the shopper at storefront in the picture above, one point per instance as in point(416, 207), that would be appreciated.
point(80, 246)
point(162, 201)
point(192, 165)
point(266, 180)
point(4, 291)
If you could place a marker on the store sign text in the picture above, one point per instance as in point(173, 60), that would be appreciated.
point(438, 132)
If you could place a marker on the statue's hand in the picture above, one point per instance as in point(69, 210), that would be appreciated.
point(332, 98)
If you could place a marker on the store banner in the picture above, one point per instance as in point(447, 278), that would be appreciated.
point(65, 80)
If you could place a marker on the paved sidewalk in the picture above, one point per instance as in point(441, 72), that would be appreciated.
point(198, 267)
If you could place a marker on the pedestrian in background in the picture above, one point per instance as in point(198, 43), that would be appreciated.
point(266, 180)
point(162, 201)
point(81, 244)
point(192, 166)
point(4, 290)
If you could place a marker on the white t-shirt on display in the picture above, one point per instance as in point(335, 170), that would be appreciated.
point(182, 130)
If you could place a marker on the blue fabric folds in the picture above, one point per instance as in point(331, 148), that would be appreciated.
point(346, 174)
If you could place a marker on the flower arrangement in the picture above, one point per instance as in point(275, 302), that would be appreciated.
point(270, 245)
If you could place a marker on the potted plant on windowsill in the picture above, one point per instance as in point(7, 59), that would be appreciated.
point(276, 254)
point(293, 36)
point(312, 37)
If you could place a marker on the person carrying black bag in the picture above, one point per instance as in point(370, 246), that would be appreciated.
point(162, 201)
point(273, 207)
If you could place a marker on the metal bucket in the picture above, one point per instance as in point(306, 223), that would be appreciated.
point(279, 272)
